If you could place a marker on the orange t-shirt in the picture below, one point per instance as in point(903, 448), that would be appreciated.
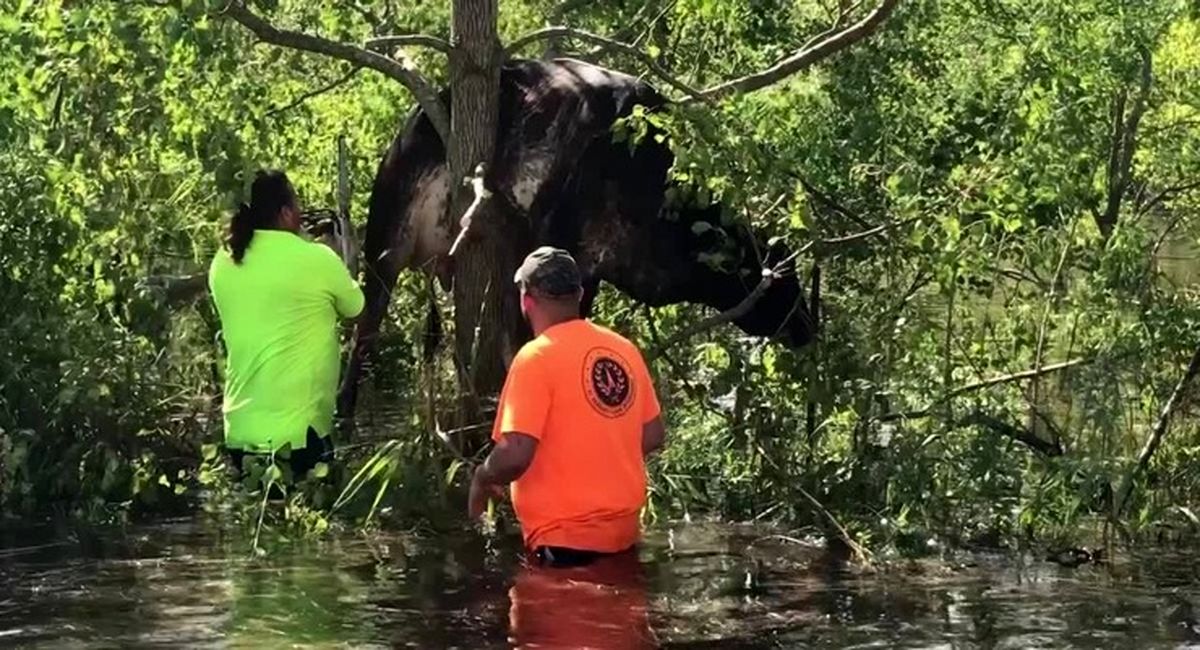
point(584, 393)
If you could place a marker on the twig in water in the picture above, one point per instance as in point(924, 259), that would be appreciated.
point(860, 552)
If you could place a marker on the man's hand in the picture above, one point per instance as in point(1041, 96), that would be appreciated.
point(654, 436)
point(506, 463)
point(481, 491)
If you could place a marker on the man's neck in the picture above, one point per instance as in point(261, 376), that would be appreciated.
point(552, 321)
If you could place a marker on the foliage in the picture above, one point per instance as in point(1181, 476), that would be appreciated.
point(980, 133)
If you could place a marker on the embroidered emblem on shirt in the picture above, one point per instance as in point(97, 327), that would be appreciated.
point(607, 383)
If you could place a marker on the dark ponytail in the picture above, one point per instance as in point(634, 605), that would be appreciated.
point(270, 193)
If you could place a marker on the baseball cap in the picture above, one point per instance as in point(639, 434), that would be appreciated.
point(550, 272)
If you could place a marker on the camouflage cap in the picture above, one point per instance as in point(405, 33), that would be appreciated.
point(550, 272)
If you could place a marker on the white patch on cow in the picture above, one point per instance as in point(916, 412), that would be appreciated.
point(593, 75)
point(425, 235)
point(589, 73)
point(532, 171)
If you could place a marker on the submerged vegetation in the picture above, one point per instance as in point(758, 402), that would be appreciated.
point(1000, 199)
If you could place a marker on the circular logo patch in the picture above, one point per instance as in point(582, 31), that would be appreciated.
point(606, 382)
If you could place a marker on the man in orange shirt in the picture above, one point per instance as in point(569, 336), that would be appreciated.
point(577, 417)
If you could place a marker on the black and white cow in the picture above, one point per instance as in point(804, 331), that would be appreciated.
point(557, 165)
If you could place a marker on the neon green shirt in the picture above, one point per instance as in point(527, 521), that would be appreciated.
point(279, 310)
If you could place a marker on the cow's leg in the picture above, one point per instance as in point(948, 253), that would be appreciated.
point(381, 278)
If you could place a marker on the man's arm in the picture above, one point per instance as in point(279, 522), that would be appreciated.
point(506, 463)
point(654, 436)
point(348, 297)
point(509, 458)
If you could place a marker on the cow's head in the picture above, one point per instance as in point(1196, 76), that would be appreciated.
point(782, 312)
point(693, 256)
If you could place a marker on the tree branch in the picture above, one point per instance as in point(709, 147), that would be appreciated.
point(631, 28)
point(733, 313)
point(1124, 143)
point(806, 56)
point(1166, 194)
point(866, 234)
point(986, 383)
point(401, 40)
point(829, 201)
point(563, 8)
point(1034, 394)
point(426, 96)
point(1156, 436)
point(177, 289)
point(625, 48)
point(314, 93)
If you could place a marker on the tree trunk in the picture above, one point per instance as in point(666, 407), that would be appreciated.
point(480, 303)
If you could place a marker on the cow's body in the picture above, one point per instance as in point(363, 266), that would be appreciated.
point(556, 164)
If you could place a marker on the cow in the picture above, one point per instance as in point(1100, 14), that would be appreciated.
point(572, 185)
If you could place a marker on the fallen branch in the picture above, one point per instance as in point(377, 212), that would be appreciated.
point(806, 56)
point(315, 93)
point(1156, 436)
point(860, 553)
point(400, 40)
point(625, 48)
point(1028, 438)
point(426, 96)
point(986, 383)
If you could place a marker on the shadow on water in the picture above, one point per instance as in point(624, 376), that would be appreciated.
point(189, 584)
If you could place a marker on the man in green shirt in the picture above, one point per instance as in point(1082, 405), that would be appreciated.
point(279, 298)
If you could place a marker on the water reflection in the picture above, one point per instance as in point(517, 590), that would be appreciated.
point(192, 584)
point(603, 606)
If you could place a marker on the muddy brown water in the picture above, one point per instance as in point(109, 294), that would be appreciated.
point(190, 584)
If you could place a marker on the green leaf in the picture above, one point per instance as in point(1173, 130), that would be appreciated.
point(320, 470)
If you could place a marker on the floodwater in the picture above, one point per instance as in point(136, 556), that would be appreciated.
point(187, 584)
